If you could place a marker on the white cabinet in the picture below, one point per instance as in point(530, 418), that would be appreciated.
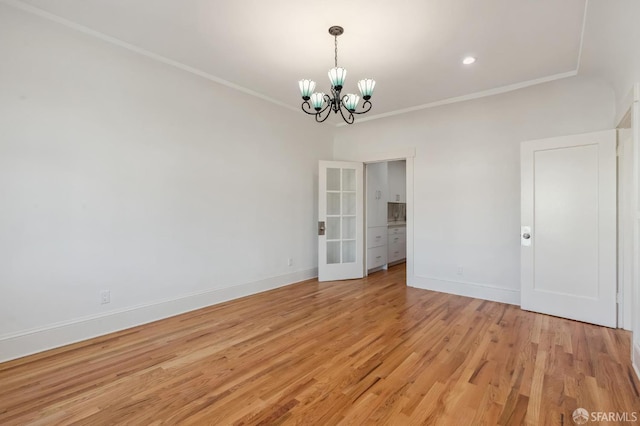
point(377, 236)
point(377, 194)
point(376, 257)
point(397, 181)
point(376, 246)
point(396, 244)
point(376, 215)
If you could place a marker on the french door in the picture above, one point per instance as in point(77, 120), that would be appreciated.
point(340, 220)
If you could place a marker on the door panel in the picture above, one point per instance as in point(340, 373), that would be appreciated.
point(340, 213)
point(566, 204)
point(569, 203)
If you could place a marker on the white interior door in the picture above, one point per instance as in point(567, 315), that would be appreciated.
point(568, 235)
point(340, 221)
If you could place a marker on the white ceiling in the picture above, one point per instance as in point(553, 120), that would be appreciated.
point(412, 48)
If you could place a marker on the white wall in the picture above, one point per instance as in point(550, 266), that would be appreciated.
point(467, 176)
point(121, 173)
point(611, 51)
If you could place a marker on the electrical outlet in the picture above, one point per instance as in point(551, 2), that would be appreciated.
point(105, 297)
point(290, 261)
point(460, 270)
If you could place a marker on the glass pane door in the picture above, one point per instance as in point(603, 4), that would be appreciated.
point(341, 215)
point(341, 207)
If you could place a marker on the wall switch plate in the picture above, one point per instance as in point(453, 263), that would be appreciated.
point(459, 270)
point(105, 297)
point(290, 261)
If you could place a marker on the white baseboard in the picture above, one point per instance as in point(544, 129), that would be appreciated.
point(468, 289)
point(636, 359)
point(40, 339)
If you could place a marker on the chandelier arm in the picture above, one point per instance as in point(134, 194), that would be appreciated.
point(349, 119)
point(342, 104)
point(364, 105)
point(308, 106)
point(326, 107)
point(310, 111)
point(319, 117)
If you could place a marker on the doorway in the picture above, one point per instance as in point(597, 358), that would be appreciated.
point(405, 154)
point(385, 214)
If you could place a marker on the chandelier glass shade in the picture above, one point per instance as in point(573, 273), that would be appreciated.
point(337, 76)
point(307, 87)
point(317, 100)
point(321, 104)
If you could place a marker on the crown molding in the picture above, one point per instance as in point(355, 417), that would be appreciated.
point(18, 4)
point(144, 52)
point(471, 96)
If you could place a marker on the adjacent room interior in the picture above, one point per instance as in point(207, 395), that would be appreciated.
point(455, 242)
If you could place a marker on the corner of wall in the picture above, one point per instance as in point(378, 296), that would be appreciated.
point(623, 105)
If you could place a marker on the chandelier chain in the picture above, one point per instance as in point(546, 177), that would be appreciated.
point(336, 50)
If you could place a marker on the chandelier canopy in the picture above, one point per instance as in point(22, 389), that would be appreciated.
point(322, 104)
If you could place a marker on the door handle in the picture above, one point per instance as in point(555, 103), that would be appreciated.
point(525, 236)
point(321, 228)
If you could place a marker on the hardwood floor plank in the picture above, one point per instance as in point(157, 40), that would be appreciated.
point(369, 351)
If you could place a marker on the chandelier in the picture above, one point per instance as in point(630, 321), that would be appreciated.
point(322, 104)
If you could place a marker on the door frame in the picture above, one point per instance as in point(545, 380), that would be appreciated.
point(631, 105)
point(407, 154)
point(624, 152)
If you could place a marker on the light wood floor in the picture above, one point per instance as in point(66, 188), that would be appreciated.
point(367, 351)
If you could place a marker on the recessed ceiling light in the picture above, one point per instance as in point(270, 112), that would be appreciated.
point(468, 60)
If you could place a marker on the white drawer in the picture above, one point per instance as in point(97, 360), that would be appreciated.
point(376, 257)
point(398, 230)
point(397, 248)
point(376, 236)
point(398, 239)
point(396, 252)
